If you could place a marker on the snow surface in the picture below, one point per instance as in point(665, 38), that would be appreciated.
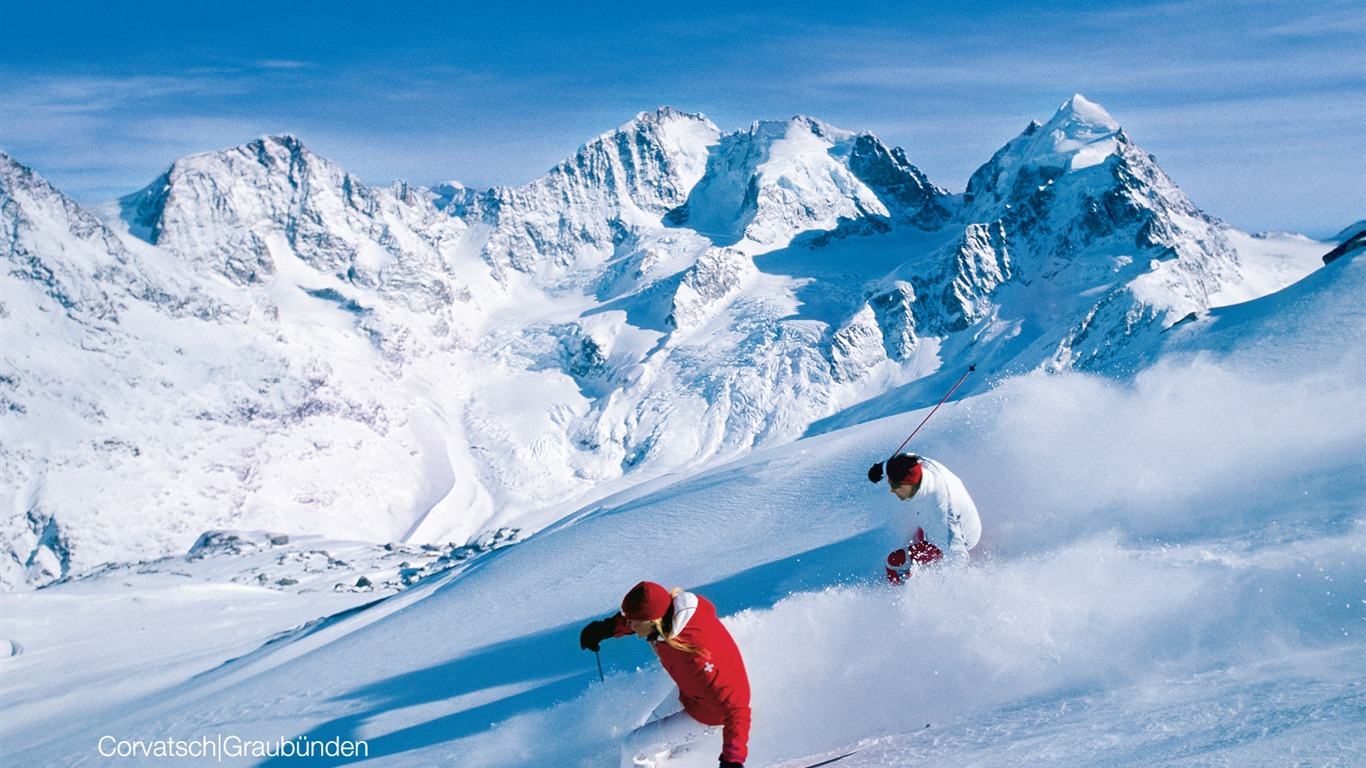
point(1172, 573)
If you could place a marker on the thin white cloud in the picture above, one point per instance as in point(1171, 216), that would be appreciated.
point(97, 137)
point(1318, 22)
point(284, 64)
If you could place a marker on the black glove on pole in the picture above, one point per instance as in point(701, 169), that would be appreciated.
point(595, 632)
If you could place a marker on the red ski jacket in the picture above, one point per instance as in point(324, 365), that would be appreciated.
point(712, 684)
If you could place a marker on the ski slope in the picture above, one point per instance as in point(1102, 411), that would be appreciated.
point(1172, 574)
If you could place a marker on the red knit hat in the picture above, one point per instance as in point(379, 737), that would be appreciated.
point(646, 601)
point(904, 469)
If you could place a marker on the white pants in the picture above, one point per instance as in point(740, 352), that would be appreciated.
point(668, 733)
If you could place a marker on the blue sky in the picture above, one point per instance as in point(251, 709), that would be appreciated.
point(1256, 108)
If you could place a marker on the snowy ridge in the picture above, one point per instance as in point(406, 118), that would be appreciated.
point(778, 179)
point(579, 212)
point(233, 212)
point(1087, 229)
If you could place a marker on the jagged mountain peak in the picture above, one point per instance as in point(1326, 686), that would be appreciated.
point(666, 131)
point(79, 262)
point(661, 116)
point(1072, 204)
point(269, 162)
point(281, 142)
point(619, 183)
point(1080, 114)
point(453, 197)
point(35, 215)
point(272, 153)
point(284, 140)
point(1077, 179)
point(15, 177)
point(239, 193)
point(249, 211)
point(1080, 135)
point(669, 128)
point(779, 178)
point(1079, 122)
point(11, 168)
point(797, 125)
point(761, 186)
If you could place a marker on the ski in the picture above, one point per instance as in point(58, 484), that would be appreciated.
point(831, 760)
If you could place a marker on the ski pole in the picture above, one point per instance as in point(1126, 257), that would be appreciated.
point(599, 658)
point(971, 368)
point(875, 473)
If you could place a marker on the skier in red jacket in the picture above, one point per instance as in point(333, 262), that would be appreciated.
point(705, 664)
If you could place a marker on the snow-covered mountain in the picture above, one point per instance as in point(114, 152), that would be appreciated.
point(1088, 230)
point(259, 340)
point(1170, 574)
point(146, 402)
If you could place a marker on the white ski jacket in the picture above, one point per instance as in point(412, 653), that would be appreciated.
point(942, 509)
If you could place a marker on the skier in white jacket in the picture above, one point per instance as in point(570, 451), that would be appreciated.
point(942, 520)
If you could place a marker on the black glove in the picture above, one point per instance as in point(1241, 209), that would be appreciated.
point(731, 764)
point(596, 632)
point(875, 472)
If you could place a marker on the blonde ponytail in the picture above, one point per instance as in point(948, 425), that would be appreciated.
point(668, 635)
